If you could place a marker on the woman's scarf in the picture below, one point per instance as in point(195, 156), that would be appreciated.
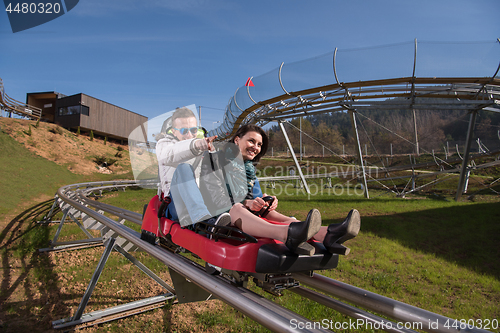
point(250, 172)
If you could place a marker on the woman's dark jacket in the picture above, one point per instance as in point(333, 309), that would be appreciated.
point(224, 179)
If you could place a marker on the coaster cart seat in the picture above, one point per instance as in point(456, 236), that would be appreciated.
point(230, 248)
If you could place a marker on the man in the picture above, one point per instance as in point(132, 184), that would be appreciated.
point(177, 153)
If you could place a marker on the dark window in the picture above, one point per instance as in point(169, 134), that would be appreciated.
point(75, 109)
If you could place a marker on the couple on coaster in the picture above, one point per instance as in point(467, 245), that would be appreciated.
point(229, 191)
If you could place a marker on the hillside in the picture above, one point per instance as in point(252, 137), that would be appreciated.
point(77, 153)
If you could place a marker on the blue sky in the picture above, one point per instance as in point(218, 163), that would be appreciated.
point(151, 56)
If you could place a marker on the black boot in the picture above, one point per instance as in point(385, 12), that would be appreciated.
point(338, 233)
point(300, 232)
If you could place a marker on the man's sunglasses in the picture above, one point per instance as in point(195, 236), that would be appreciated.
point(184, 130)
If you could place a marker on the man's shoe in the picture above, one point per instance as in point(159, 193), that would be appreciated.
point(223, 220)
point(338, 233)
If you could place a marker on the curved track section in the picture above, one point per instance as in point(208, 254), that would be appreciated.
point(11, 105)
point(74, 200)
point(349, 80)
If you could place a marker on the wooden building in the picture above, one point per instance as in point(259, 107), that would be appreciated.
point(86, 112)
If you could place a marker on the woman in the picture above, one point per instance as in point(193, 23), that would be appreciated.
point(252, 141)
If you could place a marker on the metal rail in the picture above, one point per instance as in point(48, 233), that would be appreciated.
point(363, 318)
point(400, 311)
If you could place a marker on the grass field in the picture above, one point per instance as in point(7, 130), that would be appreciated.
point(427, 251)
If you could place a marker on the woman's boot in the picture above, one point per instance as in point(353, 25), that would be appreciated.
point(338, 233)
point(300, 232)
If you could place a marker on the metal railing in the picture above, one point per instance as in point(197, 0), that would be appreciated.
point(9, 104)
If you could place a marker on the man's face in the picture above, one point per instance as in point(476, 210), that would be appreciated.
point(184, 125)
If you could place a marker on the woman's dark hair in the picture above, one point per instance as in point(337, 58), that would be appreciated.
point(253, 128)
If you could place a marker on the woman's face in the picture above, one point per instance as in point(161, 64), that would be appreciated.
point(250, 145)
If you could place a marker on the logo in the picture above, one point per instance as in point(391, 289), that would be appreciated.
point(26, 15)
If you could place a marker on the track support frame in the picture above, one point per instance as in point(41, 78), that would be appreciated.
point(101, 316)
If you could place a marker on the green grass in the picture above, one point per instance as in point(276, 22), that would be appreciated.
point(26, 176)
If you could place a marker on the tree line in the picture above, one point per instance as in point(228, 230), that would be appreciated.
point(384, 131)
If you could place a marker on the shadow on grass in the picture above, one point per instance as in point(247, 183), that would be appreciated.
point(466, 235)
point(32, 295)
point(28, 282)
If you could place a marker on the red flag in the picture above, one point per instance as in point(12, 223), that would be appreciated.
point(249, 83)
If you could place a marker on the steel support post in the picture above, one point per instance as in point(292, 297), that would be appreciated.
point(95, 277)
point(359, 152)
point(465, 160)
point(417, 150)
point(300, 138)
point(119, 311)
point(56, 236)
point(294, 158)
point(412, 178)
point(85, 231)
point(466, 180)
point(68, 245)
point(48, 217)
point(143, 268)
